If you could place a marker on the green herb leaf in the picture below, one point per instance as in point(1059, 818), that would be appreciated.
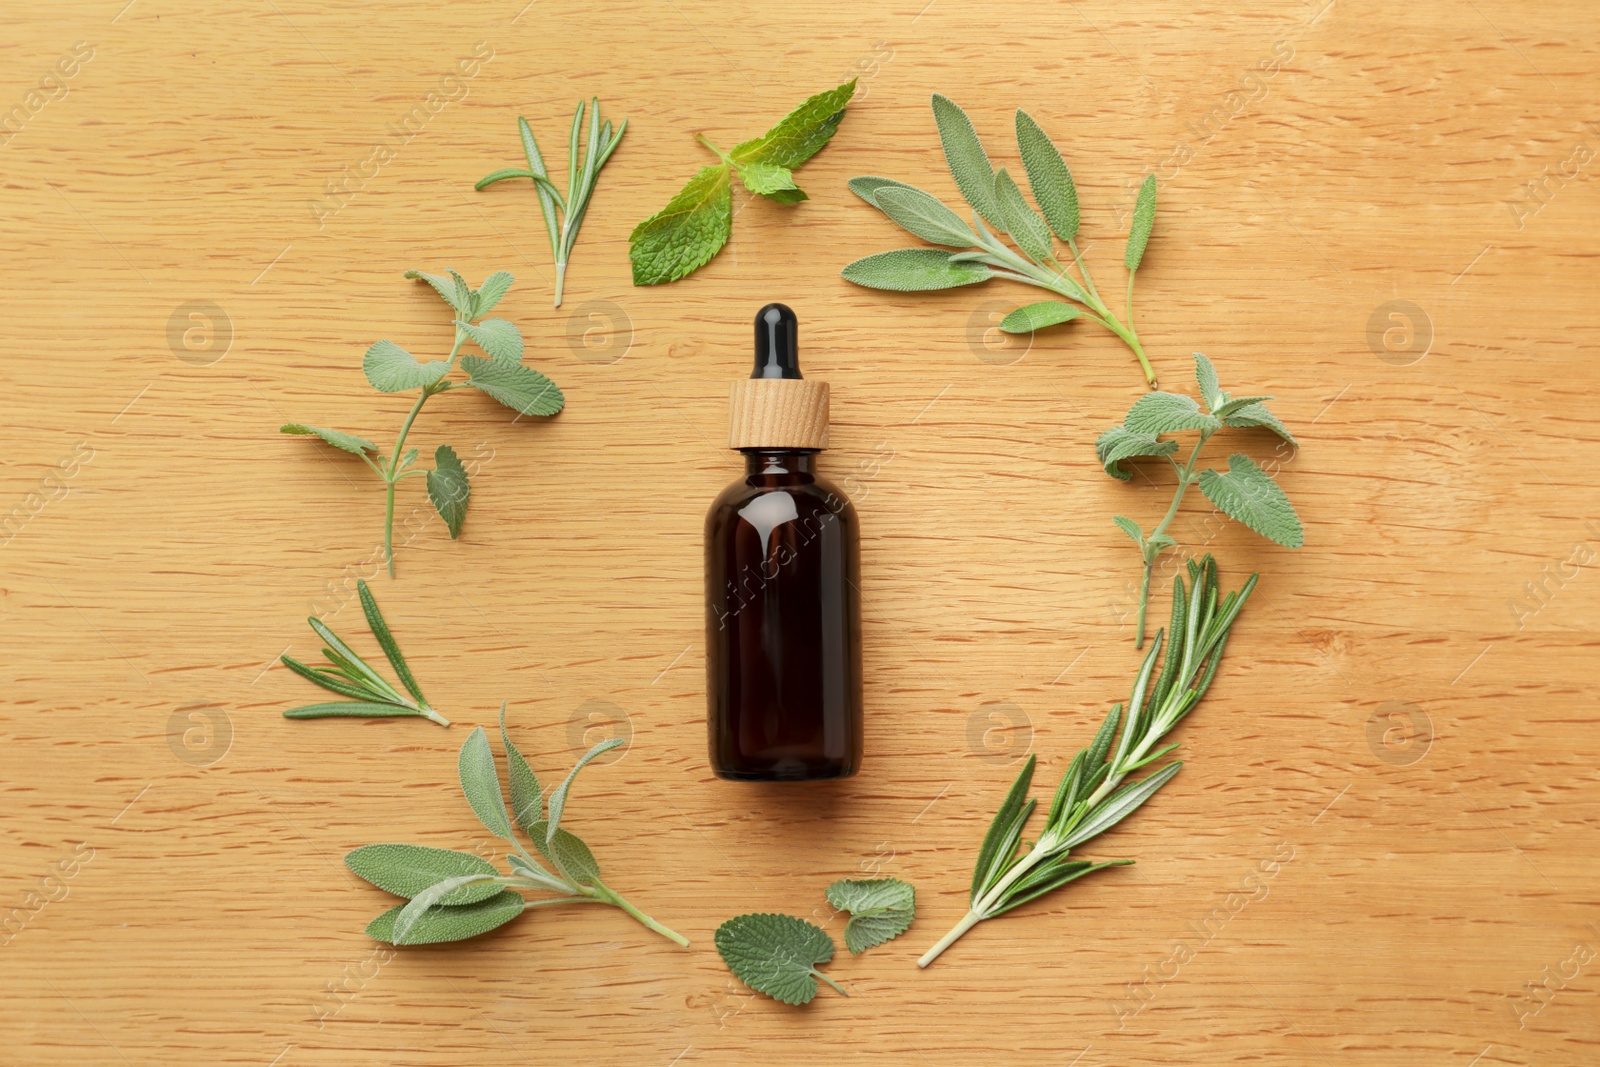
point(924, 216)
point(1131, 528)
point(452, 290)
point(1048, 877)
point(363, 709)
point(1120, 805)
point(1144, 217)
point(914, 270)
point(1120, 443)
point(499, 338)
point(567, 852)
point(1210, 389)
point(866, 187)
point(1021, 221)
point(494, 287)
point(504, 174)
point(1006, 825)
point(1258, 415)
point(771, 180)
point(969, 163)
point(683, 236)
point(1032, 317)
point(880, 910)
point(1248, 494)
point(449, 489)
point(438, 923)
point(776, 955)
point(337, 438)
point(481, 783)
point(386, 641)
point(526, 798)
point(558, 796)
point(801, 133)
point(391, 369)
point(519, 388)
point(406, 870)
point(1155, 413)
point(334, 683)
point(1048, 176)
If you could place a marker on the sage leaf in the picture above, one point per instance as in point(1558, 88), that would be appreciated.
point(490, 293)
point(769, 179)
point(1249, 495)
point(449, 489)
point(518, 387)
point(881, 909)
point(1048, 176)
point(923, 215)
point(526, 798)
point(914, 270)
point(1021, 221)
point(1156, 413)
point(1120, 443)
point(567, 852)
point(361, 709)
point(1144, 217)
point(776, 955)
point(386, 641)
point(1131, 528)
point(391, 369)
point(481, 783)
point(437, 923)
point(406, 870)
point(866, 187)
point(801, 133)
point(499, 338)
point(683, 236)
point(558, 796)
point(969, 163)
point(1120, 805)
point(1206, 375)
point(1030, 317)
point(452, 290)
point(337, 438)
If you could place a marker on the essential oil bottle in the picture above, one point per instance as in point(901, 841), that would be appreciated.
point(783, 613)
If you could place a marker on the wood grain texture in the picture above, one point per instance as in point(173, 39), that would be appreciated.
point(1410, 754)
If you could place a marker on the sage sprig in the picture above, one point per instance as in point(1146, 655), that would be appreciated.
point(1091, 797)
point(563, 214)
point(996, 199)
point(456, 895)
point(371, 695)
point(502, 375)
point(1246, 492)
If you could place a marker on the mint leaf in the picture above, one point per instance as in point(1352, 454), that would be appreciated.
point(526, 798)
point(1120, 443)
point(771, 180)
point(914, 270)
point(683, 236)
point(1131, 528)
point(518, 387)
point(969, 164)
point(1210, 389)
point(406, 870)
point(1049, 177)
point(1144, 217)
point(1257, 415)
point(1247, 494)
point(453, 290)
point(1022, 222)
point(867, 186)
point(494, 287)
point(452, 923)
point(1030, 317)
point(776, 955)
point(448, 489)
point(337, 438)
point(391, 369)
point(481, 783)
point(499, 338)
point(925, 216)
point(558, 796)
point(1167, 413)
point(880, 910)
point(801, 133)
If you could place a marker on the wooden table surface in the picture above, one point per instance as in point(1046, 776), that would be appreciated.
point(1383, 846)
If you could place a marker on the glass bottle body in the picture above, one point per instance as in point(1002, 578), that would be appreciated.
point(783, 624)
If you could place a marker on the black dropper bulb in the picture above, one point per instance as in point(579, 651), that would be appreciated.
point(777, 343)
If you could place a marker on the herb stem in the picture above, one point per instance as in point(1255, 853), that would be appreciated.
point(611, 896)
point(1128, 305)
point(830, 981)
point(1151, 552)
point(392, 474)
point(1087, 281)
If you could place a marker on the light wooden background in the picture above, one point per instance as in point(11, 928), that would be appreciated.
point(1416, 753)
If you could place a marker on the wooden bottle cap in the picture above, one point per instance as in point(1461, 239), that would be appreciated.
point(778, 413)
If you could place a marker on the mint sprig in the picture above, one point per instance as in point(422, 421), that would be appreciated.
point(391, 369)
point(997, 200)
point(563, 215)
point(455, 895)
point(697, 222)
point(1245, 492)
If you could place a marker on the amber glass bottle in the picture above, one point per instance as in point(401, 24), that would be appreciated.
point(783, 616)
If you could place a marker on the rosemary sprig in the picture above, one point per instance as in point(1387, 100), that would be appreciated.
point(371, 695)
point(564, 214)
point(1088, 801)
